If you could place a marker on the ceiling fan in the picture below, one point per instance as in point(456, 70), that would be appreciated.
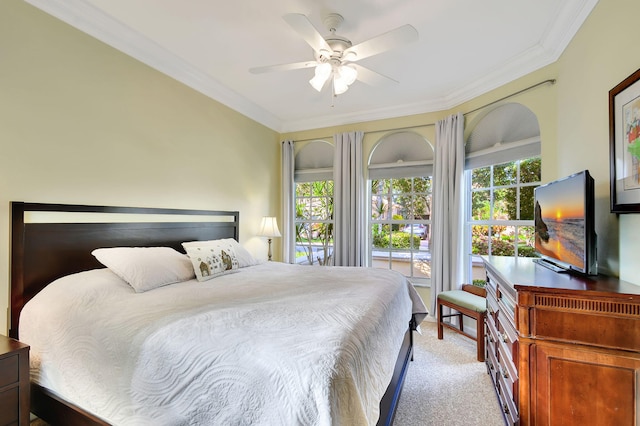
point(335, 55)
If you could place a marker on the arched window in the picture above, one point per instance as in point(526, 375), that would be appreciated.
point(503, 166)
point(400, 169)
point(313, 178)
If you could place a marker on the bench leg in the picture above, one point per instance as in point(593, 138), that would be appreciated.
point(460, 312)
point(440, 334)
point(480, 337)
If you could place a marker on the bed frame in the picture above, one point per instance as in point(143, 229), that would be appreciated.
point(44, 250)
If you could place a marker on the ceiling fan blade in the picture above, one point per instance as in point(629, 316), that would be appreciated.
point(283, 67)
point(301, 24)
point(387, 41)
point(372, 78)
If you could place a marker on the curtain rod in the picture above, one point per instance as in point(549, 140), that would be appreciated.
point(548, 81)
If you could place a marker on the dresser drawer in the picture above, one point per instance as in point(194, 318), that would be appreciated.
point(507, 370)
point(507, 404)
point(492, 362)
point(507, 335)
point(492, 331)
point(14, 382)
point(10, 406)
point(507, 299)
point(492, 284)
point(9, 370)
point(492, 307)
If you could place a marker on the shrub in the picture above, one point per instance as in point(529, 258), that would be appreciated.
point(479, 283)
point(380, 240)
point(526, 251)
point(499, 247)
point(400, 240)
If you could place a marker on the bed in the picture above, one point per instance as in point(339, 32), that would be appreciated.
point(171, 367)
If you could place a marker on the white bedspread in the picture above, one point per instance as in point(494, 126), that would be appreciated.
point(273, 344)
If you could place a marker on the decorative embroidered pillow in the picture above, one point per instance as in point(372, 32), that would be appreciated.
point(146, 268)
point(244, 257)
point(212, 260)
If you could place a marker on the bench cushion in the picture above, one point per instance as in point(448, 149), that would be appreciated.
point(465, 300)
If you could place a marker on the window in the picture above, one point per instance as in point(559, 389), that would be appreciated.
point(314, 222)
point(400, 169)
point(501, 209)
point(401, 225)
point(502, 162)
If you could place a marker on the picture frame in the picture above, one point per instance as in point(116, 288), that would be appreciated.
point(624, 145)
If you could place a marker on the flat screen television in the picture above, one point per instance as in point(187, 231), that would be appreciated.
point(565, 237)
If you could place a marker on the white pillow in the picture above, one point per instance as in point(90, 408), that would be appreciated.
point(211, 260)
point(146, 268)
point(243, 256)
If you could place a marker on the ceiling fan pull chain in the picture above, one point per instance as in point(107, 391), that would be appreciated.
point(333, 93)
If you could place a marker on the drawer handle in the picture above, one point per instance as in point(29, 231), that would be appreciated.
point(505, 374)
point(505, 337)
point(490, 338)
point(505, 408)
point(490, 365)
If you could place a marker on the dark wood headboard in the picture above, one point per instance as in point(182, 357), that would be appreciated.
point(44, 251)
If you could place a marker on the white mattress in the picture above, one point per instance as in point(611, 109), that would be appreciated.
point(273, 344)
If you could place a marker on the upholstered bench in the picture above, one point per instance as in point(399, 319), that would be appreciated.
point(468, 304)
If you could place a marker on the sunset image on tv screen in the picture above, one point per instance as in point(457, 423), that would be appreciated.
point(560, 221)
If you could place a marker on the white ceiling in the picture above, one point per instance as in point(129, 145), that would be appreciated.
point(465, 48)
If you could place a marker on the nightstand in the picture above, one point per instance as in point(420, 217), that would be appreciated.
point(14, 382)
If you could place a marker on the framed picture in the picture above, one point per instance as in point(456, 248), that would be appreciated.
point(624, 145)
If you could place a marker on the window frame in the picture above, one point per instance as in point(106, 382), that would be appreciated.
point(390, 222)
point(329, 221)
point(492, 222)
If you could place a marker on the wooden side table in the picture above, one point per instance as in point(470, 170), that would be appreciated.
point(14, 382)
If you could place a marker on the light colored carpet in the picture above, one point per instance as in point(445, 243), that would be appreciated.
point(446, 385)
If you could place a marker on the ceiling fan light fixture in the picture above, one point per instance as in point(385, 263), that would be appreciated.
point(348, 74)
point(322, 74)
point(339, 85)
point(343, 77)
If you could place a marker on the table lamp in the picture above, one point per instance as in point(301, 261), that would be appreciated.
point(269, 229)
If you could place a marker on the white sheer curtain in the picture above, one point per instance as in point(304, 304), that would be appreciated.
point(447, 214)
point(288, 200)
point(348, 205)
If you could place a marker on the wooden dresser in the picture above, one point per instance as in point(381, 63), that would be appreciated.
point(14, 382)
point(501, 343)
point(577, 348)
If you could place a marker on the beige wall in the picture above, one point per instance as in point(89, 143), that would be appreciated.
point(601, 55)
point(82, 123)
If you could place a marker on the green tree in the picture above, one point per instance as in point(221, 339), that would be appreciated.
point(500, 192)
point(314, 219)
point(529, 172)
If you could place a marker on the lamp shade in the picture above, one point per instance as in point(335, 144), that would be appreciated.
point(348, 74)
point(322, 73)
point(269, 227)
